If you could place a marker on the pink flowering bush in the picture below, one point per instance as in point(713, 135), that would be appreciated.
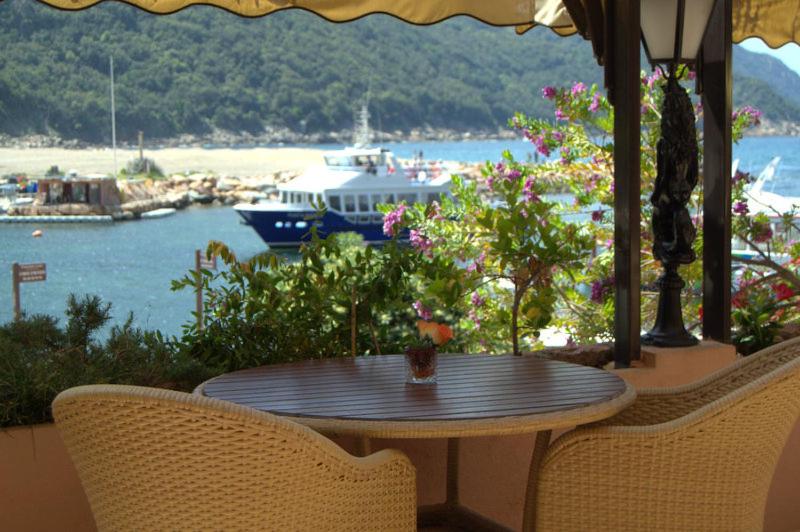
point(581, 134)
point(511, 244)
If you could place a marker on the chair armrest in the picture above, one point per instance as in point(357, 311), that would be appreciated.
point(384, 496)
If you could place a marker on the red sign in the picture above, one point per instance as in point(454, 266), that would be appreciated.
point(31, 273)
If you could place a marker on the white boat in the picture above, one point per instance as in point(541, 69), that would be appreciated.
point(352, 183)
point(761, 201)
point(158, 213)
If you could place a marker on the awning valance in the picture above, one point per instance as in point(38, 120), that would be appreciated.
point(549, 13)
point(776, 22)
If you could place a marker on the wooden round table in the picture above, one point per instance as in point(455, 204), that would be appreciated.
point(476, 395)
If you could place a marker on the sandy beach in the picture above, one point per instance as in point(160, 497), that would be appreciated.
point(240, 163)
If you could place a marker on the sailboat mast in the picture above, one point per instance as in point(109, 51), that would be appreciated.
point(113, 117)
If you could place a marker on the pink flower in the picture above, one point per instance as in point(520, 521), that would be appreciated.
point(477, 300)
point(764, 235)
point(595, 105)
point(541, 147)
point(527, 190)
point(422, 311)
point(597, 215)
point(565, 155)
point(477, 266)
point(549, 92)
point(473, 315)
point(740, 207)
point(560, 114)
point(392, 219)
point(578, 88)
point(421, 242)
point(436, 212)
point(513, 175)
point(558, 136)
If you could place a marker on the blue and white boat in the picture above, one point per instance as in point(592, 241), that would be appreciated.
point(352, 183)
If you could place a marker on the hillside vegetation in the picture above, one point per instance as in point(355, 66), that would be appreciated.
point(204, 69)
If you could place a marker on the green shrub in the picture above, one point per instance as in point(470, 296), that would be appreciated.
point(339, 299)
point(39, 359)
point(144, 166)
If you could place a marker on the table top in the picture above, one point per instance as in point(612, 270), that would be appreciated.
point(477, 395)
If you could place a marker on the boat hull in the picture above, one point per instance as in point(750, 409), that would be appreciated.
point(291, 228)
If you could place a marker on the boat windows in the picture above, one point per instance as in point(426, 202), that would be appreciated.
point(301, 224)
point(388, 198)
point(279, 225)
point(335, 203)
point(432, 197)
point(408, 198)
point(363, 220)
point(332, 160)
point(376, 199)
point(363, 203)
point(349, 203)
point(377, 219)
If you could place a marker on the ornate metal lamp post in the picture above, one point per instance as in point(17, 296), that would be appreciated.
point(672, 31)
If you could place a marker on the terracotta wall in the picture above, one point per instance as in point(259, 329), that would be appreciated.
point(39, 487)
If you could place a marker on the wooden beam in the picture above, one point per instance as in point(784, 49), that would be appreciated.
point(624, 56)
point(717, 89)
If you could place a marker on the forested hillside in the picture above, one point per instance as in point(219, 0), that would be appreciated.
point(204, 69)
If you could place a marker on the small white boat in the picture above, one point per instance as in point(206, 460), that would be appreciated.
point(158, 213)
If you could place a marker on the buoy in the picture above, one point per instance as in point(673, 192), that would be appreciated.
point(37, 233)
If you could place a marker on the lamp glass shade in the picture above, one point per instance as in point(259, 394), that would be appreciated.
point(659, 22)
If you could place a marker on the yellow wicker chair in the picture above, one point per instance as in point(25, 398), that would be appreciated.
point(154, 459)
point(696, 457)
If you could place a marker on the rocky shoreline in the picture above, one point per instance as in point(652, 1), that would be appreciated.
point(271, 137)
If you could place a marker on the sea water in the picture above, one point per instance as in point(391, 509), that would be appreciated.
point(131, 264)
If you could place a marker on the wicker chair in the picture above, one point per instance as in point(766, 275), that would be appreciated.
point(695, 457)
point(161, 460)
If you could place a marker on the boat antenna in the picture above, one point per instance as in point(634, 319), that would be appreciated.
point(113, 117)
point(362, 136)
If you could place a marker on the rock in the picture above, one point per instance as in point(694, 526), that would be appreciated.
point(197, 197)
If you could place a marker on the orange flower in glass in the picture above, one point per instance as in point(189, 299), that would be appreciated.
point(438, 333)
point(421, 358)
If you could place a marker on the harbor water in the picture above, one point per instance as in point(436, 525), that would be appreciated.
point(131, 264)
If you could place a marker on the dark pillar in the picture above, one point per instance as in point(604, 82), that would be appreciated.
point(717, 87)
point(624, 35)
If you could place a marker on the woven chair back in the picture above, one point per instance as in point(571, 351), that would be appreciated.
point(161, 460)
point(707, 470)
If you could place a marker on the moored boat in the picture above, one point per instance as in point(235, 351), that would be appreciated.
point(351, 185)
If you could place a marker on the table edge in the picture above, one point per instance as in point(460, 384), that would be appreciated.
point(499, 426)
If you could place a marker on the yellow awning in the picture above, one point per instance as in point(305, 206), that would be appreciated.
point(549, 13)
point(776, 22)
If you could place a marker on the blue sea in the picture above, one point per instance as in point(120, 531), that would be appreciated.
point(131, 264)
